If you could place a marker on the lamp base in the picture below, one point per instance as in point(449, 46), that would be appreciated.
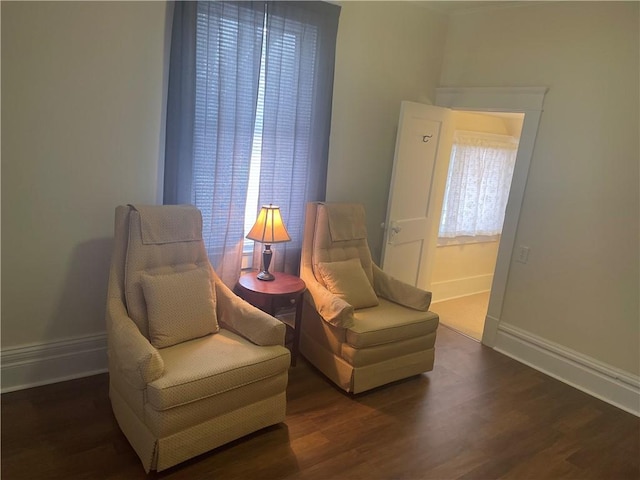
point(265, 276)
point(266, 261)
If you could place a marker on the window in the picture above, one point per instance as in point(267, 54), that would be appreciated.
point(478, 184)
point(248, 116)
point(252, 205)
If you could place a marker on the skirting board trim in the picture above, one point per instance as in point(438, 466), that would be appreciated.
point(33, 365)
point(490, 331)
point(599, 380)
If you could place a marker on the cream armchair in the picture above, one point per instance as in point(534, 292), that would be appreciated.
point(191, 365)
point(360, 327)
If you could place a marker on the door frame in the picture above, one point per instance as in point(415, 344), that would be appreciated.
point(527, 100)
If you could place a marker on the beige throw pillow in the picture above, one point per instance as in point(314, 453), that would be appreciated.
point(180, 306)
point(347, 280)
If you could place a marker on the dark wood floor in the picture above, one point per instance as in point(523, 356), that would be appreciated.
point(477, 415)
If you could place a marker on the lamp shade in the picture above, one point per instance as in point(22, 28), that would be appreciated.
point(269, 227)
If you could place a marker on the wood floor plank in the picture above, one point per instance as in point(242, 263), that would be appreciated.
point(477, 415)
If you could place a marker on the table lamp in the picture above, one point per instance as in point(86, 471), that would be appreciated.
point(268, 229)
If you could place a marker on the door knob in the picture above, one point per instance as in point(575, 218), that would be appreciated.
point(394, 229)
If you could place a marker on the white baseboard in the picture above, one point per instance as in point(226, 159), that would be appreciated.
point(460, 287)
point(602, 381)
point(490, 331)
point(32, 365)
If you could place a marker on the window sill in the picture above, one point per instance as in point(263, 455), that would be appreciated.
point(467, 240)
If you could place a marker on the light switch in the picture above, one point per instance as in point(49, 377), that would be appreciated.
point(522, 255)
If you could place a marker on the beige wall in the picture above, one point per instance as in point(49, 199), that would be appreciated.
point(477, 122)
point(386, 52)
point(82, 87)
point(461, 270)
point(465, 260)
point(581, 207)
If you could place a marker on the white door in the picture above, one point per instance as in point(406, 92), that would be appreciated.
point(418, 180)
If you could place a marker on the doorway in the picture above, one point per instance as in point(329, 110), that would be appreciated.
point(530, 101)
point(422, 150)
point(470, 229)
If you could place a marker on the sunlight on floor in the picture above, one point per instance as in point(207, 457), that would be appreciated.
point(465, 314)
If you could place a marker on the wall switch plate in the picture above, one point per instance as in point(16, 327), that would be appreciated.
point(522, 254)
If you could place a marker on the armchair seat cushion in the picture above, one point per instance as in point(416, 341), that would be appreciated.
point(212, 365)
point(168, 422)
point(362, 357)
point(389, 323)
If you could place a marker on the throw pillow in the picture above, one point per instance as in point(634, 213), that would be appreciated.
point(180, 306)
point(347, 280)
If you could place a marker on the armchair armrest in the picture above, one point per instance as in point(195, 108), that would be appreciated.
point(333, 309)
point(397, 291)
point(134, 356)
point(245, 319)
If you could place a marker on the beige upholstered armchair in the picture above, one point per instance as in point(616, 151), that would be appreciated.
point(191, 366)
point(360, 327)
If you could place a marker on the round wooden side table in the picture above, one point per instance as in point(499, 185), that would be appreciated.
point(281, 297)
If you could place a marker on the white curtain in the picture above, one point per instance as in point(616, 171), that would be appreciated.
point(478, 185)
point(213, 85)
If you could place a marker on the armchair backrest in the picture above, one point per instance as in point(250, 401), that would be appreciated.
point(334, 232)
point(153, 239)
